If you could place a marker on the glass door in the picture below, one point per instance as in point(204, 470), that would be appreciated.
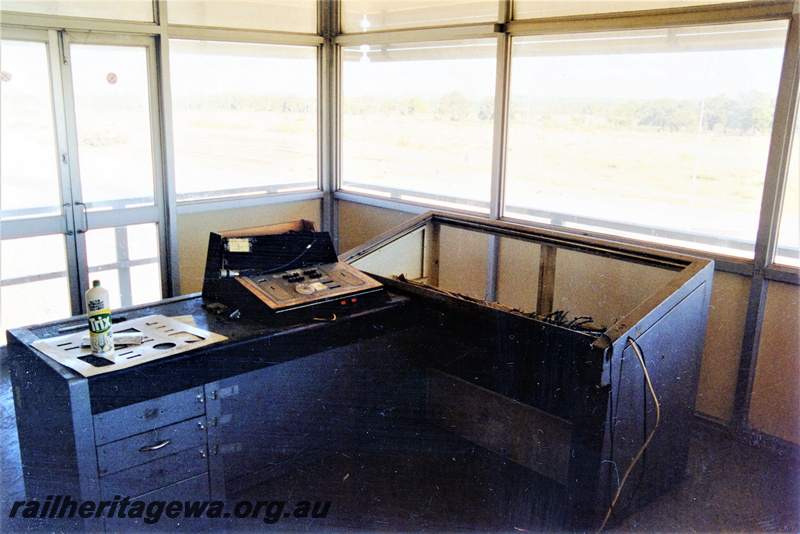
point(80, 162)
point(36, 250)
point(113, 164)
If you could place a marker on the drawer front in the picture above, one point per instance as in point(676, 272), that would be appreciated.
point(154, 475)
point(158, 443)
point(191, 489)
point(147, 415)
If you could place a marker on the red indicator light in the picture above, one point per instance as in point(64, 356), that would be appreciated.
point(352, 300)
point(343, 303)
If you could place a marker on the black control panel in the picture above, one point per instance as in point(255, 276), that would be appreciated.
point(297, 287)
point(269, 275)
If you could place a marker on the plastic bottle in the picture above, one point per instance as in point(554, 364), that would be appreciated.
point(99, 312)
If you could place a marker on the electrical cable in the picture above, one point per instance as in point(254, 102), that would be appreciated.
point(635, 460)
point(294, 260)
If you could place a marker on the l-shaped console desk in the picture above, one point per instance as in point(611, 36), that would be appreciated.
point(568, 403)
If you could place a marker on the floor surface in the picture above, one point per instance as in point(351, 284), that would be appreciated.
point(730, 486)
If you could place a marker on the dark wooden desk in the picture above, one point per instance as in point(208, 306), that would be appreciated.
point(568, 406)
point(205, 423)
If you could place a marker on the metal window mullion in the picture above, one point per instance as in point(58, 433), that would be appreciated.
point(243, 35)
point(421, 35)
point(67, 140)
point(6, 282)
point(769, 222)
point(500, 126)
point(164, 156)
point(34, 227)
point(329, 124)
point(127, 217)
point(500, 130)
point(780, 149)
point(653, 19)
point(123, 269)
point(122, 263)
point(69, 23)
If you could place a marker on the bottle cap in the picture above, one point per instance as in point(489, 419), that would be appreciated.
point(96, 283)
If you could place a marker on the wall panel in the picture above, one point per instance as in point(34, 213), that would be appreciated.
point(359, 223)
point(775, 405)
point(462, 261)
point(518, 274)
point(723, 346)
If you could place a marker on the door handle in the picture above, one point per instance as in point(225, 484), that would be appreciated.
point(148, 448)
point(64, 207)
point(85, 219)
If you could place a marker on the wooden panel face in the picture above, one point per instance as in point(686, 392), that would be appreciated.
point(528, 436)
point(518, 274)
point(359, 223)
point(263, 419)
point(601, 287)
point(462, 261)
point(404, 256)
point(267, 422)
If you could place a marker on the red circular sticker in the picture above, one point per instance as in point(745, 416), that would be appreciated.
point(4, 76)
point(111, 78)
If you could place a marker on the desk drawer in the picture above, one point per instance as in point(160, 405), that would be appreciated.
point(191, 489)
point(147, 415)
point(149, 446)
point(154, 475)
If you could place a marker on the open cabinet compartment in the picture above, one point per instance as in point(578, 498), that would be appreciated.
point(528, 338)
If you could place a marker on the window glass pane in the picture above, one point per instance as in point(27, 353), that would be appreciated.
point(30, 181)
point(126, 261)
point(34, 287)
point(788, 236)
point(525, 9)
point(112, 113)
point(661, 135)
point(279, 15)
point(133, 10)
point(417, 122)
point(368, 15)
point(245, 118)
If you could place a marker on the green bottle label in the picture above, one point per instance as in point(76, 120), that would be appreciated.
point(100, 323)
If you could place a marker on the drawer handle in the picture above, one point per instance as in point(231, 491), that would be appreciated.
point(148, 448)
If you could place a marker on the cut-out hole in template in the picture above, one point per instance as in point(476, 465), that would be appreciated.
point(164, 346)
point(95, 360)
point(186, 337)
point(128, 331)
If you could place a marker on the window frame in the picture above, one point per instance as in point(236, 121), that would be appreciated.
point(240, 197)
point(426, 199)
point(640, 20)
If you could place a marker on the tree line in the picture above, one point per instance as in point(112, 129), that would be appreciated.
point(746, 113)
